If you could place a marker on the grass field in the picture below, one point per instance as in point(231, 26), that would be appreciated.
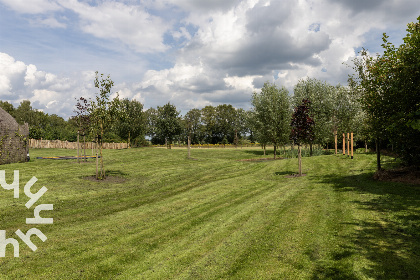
point(162, 216)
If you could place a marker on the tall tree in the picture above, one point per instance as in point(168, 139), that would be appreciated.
point(193, 125)
point(390, 86)
point(208, 117)
point(131, 122)
point(302, 128)
point(225, 122)
point(272, 114)
point(168, 123)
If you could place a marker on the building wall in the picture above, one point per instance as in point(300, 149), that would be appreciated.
point(14, 138)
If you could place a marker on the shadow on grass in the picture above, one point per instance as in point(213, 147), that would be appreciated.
point(390, 243)
point(284, 173)
point(259, 152)
point(115, 173)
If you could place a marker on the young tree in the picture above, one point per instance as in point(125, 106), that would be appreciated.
point(302, 128)
point(102, 111)
point(83, 122)
point(272, 114)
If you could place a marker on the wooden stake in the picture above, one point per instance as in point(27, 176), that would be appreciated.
point(344, 144)
point(348, 144)
point(352, 145)
point(335, 137)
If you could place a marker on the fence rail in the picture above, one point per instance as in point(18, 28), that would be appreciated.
point(58, 144)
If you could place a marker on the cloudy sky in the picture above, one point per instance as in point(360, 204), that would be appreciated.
point(191, 53)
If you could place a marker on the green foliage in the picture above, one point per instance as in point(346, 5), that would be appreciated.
point(168, 123)
point(390, 86)
point(130, 123)
point(102, 112)
point(41, 125)
point(271, 113)
point(193, 126)
point(333, 108)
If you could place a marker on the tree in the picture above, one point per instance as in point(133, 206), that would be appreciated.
point(225, 123)
point(83, 122)
point(272, 114)
point(131, 122)
point(390, 94)
point(102, 111)
point(8, 107)
point(151, 116)
point(302, 128)
point(208, 117)
point(168, 123)
point(193, 125)
point(333, 108)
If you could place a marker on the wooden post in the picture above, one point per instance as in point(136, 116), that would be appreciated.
point(351, 145)
point(344, 144)
point(348, 144)
point(335, 138)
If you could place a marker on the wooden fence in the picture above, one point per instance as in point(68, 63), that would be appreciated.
point(58, 144)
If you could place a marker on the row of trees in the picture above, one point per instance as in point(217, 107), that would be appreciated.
point(268, 122)
point(41, 125)
point(222, 124)
point(388, 88)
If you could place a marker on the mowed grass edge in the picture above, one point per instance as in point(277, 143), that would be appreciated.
point(215, 217)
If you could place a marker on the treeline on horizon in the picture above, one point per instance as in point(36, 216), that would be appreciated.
point(333, 108)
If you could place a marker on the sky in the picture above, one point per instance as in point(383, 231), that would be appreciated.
point(191, 53)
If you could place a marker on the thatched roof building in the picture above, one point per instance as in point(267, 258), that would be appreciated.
point(13, 139)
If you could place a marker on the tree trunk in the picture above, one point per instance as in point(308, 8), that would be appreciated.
point(366, 149)
point(102, 158)
point(310, 149)
point(97, 161)
point(275, 150)
point(264, 149)
point(78, 158)
point(84, 146)
point(189, 146)
point(378, 155)
point(300, 160)
point(128, 144)
point(236, 138)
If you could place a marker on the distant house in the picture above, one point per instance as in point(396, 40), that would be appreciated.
point(13, 139)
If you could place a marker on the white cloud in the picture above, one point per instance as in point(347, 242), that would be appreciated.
point(48, 22)
point(221, 50)
point(32, 6)
point(131, 24)
point(11, 73)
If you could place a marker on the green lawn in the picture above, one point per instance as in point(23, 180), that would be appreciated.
point(162, 216)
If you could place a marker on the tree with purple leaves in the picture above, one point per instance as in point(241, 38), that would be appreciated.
point(302, 128)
